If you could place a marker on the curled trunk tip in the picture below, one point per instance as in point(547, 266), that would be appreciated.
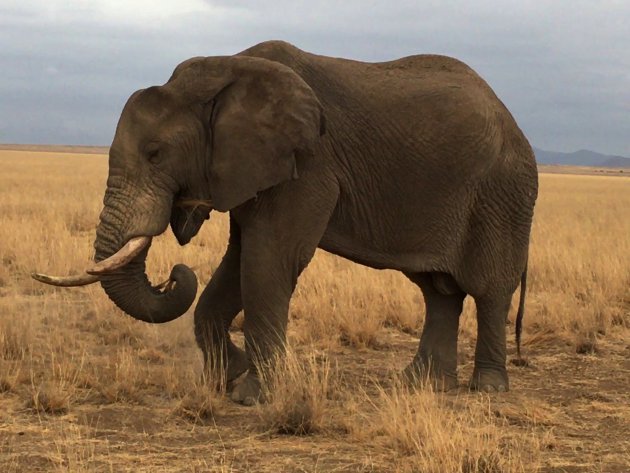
point(132, 293)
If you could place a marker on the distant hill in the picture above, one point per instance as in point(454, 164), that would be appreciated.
point(582, 157)
point(57, 148)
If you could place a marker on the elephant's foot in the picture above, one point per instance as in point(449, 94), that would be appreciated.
point(490, 380)
point(249, 391)
point(237, 364)
point(225, 367)
point(417, 373)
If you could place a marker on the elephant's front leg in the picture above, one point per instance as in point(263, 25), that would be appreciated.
point(279, 236)
point(219, 303)
point(268, 277)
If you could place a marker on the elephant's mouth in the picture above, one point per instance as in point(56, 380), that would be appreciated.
point(187, 217)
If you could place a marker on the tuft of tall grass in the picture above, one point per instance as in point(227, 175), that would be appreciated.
point(296, 393)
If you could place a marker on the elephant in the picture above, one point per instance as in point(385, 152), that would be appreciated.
point(413, 165)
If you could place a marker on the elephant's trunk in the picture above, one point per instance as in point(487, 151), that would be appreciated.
point(128, 286)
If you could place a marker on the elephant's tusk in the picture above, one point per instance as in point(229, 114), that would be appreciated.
point(123, 256)
point(66, 281)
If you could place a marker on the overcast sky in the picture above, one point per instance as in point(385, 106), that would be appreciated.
point(562, 67)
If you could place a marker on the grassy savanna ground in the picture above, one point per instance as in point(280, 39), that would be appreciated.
point(85, 388)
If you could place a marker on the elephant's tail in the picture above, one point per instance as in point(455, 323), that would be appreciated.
point(521, 312)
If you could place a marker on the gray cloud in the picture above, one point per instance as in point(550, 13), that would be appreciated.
point(562, 68)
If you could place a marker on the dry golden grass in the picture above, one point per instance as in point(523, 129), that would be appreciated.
point(580, 257)
point(296, 391)
point(437, 437)
point(85, 388)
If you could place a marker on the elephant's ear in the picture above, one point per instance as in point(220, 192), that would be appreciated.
point(260, 121)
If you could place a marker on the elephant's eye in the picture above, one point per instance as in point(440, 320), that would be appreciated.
point(153, 155)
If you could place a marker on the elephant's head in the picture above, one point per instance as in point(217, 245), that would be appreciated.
point(220, 130)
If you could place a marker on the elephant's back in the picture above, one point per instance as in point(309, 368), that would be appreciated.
point(426, 101)
point(412, 81)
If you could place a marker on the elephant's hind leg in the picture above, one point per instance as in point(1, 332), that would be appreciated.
point(219, 303)
point(437, 352)
point(490, 373)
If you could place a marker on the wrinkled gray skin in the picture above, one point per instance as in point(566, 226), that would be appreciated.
point(412, 164)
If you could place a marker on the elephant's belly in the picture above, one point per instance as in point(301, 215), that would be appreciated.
point(419, 260)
